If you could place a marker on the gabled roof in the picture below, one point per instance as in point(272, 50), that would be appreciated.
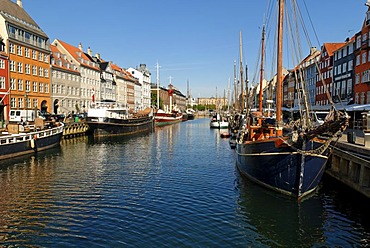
point(79, 56)
point(331, 47)
point(59, 57)
point(17, 16)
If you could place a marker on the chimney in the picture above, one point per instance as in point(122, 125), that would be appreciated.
point(313, 50)
point(97, 55)
point(89, 52)
point(19, 2)
point(367, 3)
point(80, 46)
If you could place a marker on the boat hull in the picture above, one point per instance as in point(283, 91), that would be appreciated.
point(164, 119)
point(280, 167)
point(115, 127)
point(28, 143)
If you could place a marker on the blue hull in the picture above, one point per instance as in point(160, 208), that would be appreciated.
point(280, 167)
point(29, 143)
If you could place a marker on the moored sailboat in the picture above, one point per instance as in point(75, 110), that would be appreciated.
point(290, 162)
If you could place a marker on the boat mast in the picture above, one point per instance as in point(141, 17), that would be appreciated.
point(236, 100)
point(241, 71)
point(262, 68)
point(279, 125)
point(157, 66)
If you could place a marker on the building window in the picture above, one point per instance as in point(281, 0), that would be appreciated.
point(46, 73)
point(41, 72)
point(20, 67)
point(28, 70)
point(33, 54)
point(19, 50)
point(357, 80)
point(12, 84)
point(2, 64)
point(11, 48)
point(358, 42)
point(12, 65)
point(34, 86)
point(34, 70)
point(13, 102)
point(20, 84)
point(358, 60)
point(40, 56)
point(35, 103)
point(364, 56)
point(20, 103)
point(28, 86)
point(41, 87)
point(26, 52)
point(46, 86)
point(2, 82)
point(344, 67)
point(350, 65)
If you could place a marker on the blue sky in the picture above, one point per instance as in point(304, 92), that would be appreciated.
point(192, 40)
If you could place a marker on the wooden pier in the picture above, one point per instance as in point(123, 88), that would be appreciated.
point(74, 129)
point(350, 162)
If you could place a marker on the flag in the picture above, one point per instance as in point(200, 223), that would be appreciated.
point(93, 95)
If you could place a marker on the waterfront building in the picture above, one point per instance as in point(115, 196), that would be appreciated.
point(121, 87)
point(107, 87)
point(28, 49)
point(342, 87)
point(310, 72)
point(65, 84)
point(362, 62)
point(4, 84)
point(324, 79)
point(138, 88)
point(130, 82)
point(289, 89)
point(146, 82)
point(89, 71)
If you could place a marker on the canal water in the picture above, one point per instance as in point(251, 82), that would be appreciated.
point(175, 187)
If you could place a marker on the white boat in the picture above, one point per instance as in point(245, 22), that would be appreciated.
point(108, 118)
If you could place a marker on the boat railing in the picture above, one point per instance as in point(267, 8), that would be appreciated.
point(8, 138)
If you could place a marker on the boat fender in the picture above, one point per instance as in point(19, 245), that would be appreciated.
point(32, 142)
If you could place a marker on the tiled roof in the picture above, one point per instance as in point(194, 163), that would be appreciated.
point(79, 56)
point(331, 47)
point(61, 62)
point(18, 16)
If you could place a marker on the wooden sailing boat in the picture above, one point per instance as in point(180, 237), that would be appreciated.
point(291, 163)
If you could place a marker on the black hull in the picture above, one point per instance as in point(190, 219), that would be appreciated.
point(281, 168)
point(113, 127)
point(29, 143)
point(191, 117)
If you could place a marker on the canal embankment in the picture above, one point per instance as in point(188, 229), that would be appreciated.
point(350, 161)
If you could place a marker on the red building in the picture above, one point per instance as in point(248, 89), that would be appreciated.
point(325, 77)
point(4, 84)
point(362, 63)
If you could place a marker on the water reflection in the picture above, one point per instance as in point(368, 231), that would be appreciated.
point(280, 221)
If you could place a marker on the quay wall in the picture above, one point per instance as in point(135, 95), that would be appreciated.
point(350, 164)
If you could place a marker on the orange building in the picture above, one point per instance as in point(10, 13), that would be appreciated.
point(29, 52)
